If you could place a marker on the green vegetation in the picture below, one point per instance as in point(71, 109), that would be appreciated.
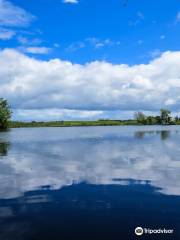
point(5, 113)
point(139, 119)
point(163, 119)
point(15, 124)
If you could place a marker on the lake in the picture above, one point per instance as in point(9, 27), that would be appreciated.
point(89, 183)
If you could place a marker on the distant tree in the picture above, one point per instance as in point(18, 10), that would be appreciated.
point(5, 113)
point(158, 119)
point(176, 119)
point(165, 116)
point(151, 120)
point(140, 117)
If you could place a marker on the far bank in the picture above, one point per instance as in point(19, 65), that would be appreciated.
point(19, 124)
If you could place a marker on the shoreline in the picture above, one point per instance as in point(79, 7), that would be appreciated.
point(98, 123)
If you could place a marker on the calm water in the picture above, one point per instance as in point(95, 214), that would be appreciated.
point(89, 183)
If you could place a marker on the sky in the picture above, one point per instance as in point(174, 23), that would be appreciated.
point(89, 59)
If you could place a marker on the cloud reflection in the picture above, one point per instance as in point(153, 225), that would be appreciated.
point(61, 157)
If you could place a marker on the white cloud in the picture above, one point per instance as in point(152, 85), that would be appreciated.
point(6, 34)
point(71, 1)
point(170, 102)
point(76, 46)
point(99, 86)
point(55, 114)
point(155, 53)
point(97, 43)
point(100, 43)
point(28, 41)
point(93, 42)
point(37, 50)
point(13, 16)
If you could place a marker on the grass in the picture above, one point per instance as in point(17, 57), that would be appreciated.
point(18, 124)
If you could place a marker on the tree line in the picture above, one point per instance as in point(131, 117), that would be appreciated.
point(164, 118)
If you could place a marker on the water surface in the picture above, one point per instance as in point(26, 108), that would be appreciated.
point(89, 182)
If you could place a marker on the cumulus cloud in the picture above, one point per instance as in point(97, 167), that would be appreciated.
point(29, 83)
point(13, 16)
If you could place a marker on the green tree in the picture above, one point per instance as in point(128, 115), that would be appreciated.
point(165, 116)
point(151, 120)
point(158, 119)
point(140, 117)
point(176, 119)
point(5, 113)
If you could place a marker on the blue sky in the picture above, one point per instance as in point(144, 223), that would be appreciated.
point(88, 34)
point(126, 34)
